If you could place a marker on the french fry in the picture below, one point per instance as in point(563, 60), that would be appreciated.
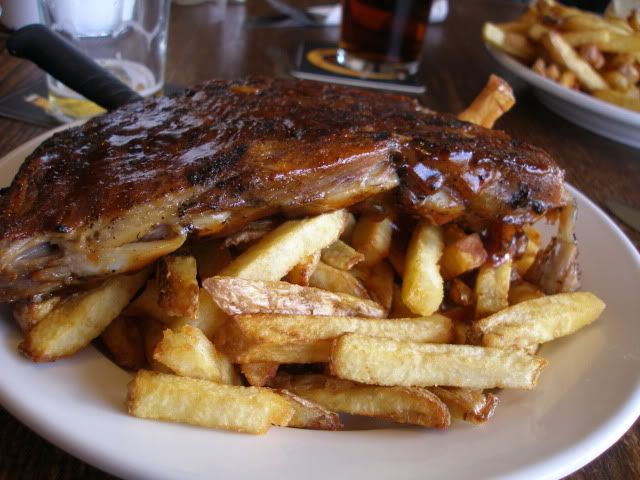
point(146, 304)
point(378, 280)
point(583, 21)
point(627, 100)
point(460, 293)
point(209, 318)
point(211, 257)
point(282, 249)
point(468, 404)
point(316, 352)
point(341, 255)
point(586, 37)
point(521, 291)
point(308, 414)
point(565, 55)
point(28, 314)
point(523, 264)
point(189, 353)
point(178, 285)
point(492, 288)
point(237, 296)
point(422, 286)
point(301, 273)
point(540, 320)
point(123, 340)
point(259, 374)
point(513, 43)
point(382, 361)
point(151, 335)
point(414, 406)
point(396, 257)
point(372, 238)
point(200, 402)
point(337, 281)
point(398, 308)
point(76, 321)
point(495, 99)
point(290, 329)
point(462, 256)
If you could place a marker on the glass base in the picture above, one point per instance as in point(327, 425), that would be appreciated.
point(366, 66)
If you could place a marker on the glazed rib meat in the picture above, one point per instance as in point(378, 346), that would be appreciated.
point(132, 185)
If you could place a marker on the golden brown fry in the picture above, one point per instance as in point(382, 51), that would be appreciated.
point(237, 296)
point(372, 238)
point(523, 264)
point(200, 402)
point(617, 80)
point(461, 256)
point(398, 308)
point(592, 55)
point(495, 99)
point(540, 320)
point(565, 55)
point(282, 249)
point(76, 321)
point(422, 286)
point(337, 281)
point(396, 257)
point(378, 281)
point(28, 314)
point(513, 43)
point(316, 352)
point(151, 335)
point(583, 21)
point(209, 318)
point(188, 353)
point(292, 329)
point(178, 285)
point(414, 406)
point(301, 273)
point(587, 37)
point(259, 374)
point(629, 100)
point(467, 404)
point(381, 361)
point(492, 288)
point(460, 293)
point(341, 255)
point(308, 414)
point(521, 291)
point(123, 339)
point(146, 305)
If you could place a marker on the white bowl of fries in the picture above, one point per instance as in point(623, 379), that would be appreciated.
point(583, 67)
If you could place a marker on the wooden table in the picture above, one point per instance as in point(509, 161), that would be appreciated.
point(456, 67)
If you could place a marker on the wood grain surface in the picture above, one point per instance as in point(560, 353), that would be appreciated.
point(456, 66)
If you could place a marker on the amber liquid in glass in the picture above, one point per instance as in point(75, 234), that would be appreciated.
point(384, 31)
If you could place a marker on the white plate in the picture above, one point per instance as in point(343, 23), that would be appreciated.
point(596, 115)
point(586, 399)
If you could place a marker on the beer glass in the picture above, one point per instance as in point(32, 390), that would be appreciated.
point(383, 35)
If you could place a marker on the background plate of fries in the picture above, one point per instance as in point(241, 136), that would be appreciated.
point(588, 396)
point(584, 67)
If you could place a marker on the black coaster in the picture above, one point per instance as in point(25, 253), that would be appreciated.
point(318, 62)
point(30, 104)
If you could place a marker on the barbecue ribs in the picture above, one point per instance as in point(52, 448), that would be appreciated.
point(130, 186)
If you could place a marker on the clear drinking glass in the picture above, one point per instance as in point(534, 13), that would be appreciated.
point(127, 37)
point(383, 35)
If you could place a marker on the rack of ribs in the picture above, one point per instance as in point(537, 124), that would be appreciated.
point(129, 186)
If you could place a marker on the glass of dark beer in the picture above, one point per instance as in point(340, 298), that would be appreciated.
point(383, 35)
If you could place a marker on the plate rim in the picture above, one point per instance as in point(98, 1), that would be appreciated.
point(552, 467)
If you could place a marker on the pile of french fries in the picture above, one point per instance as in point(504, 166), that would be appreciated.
point(292, 323)
point(594, 54)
